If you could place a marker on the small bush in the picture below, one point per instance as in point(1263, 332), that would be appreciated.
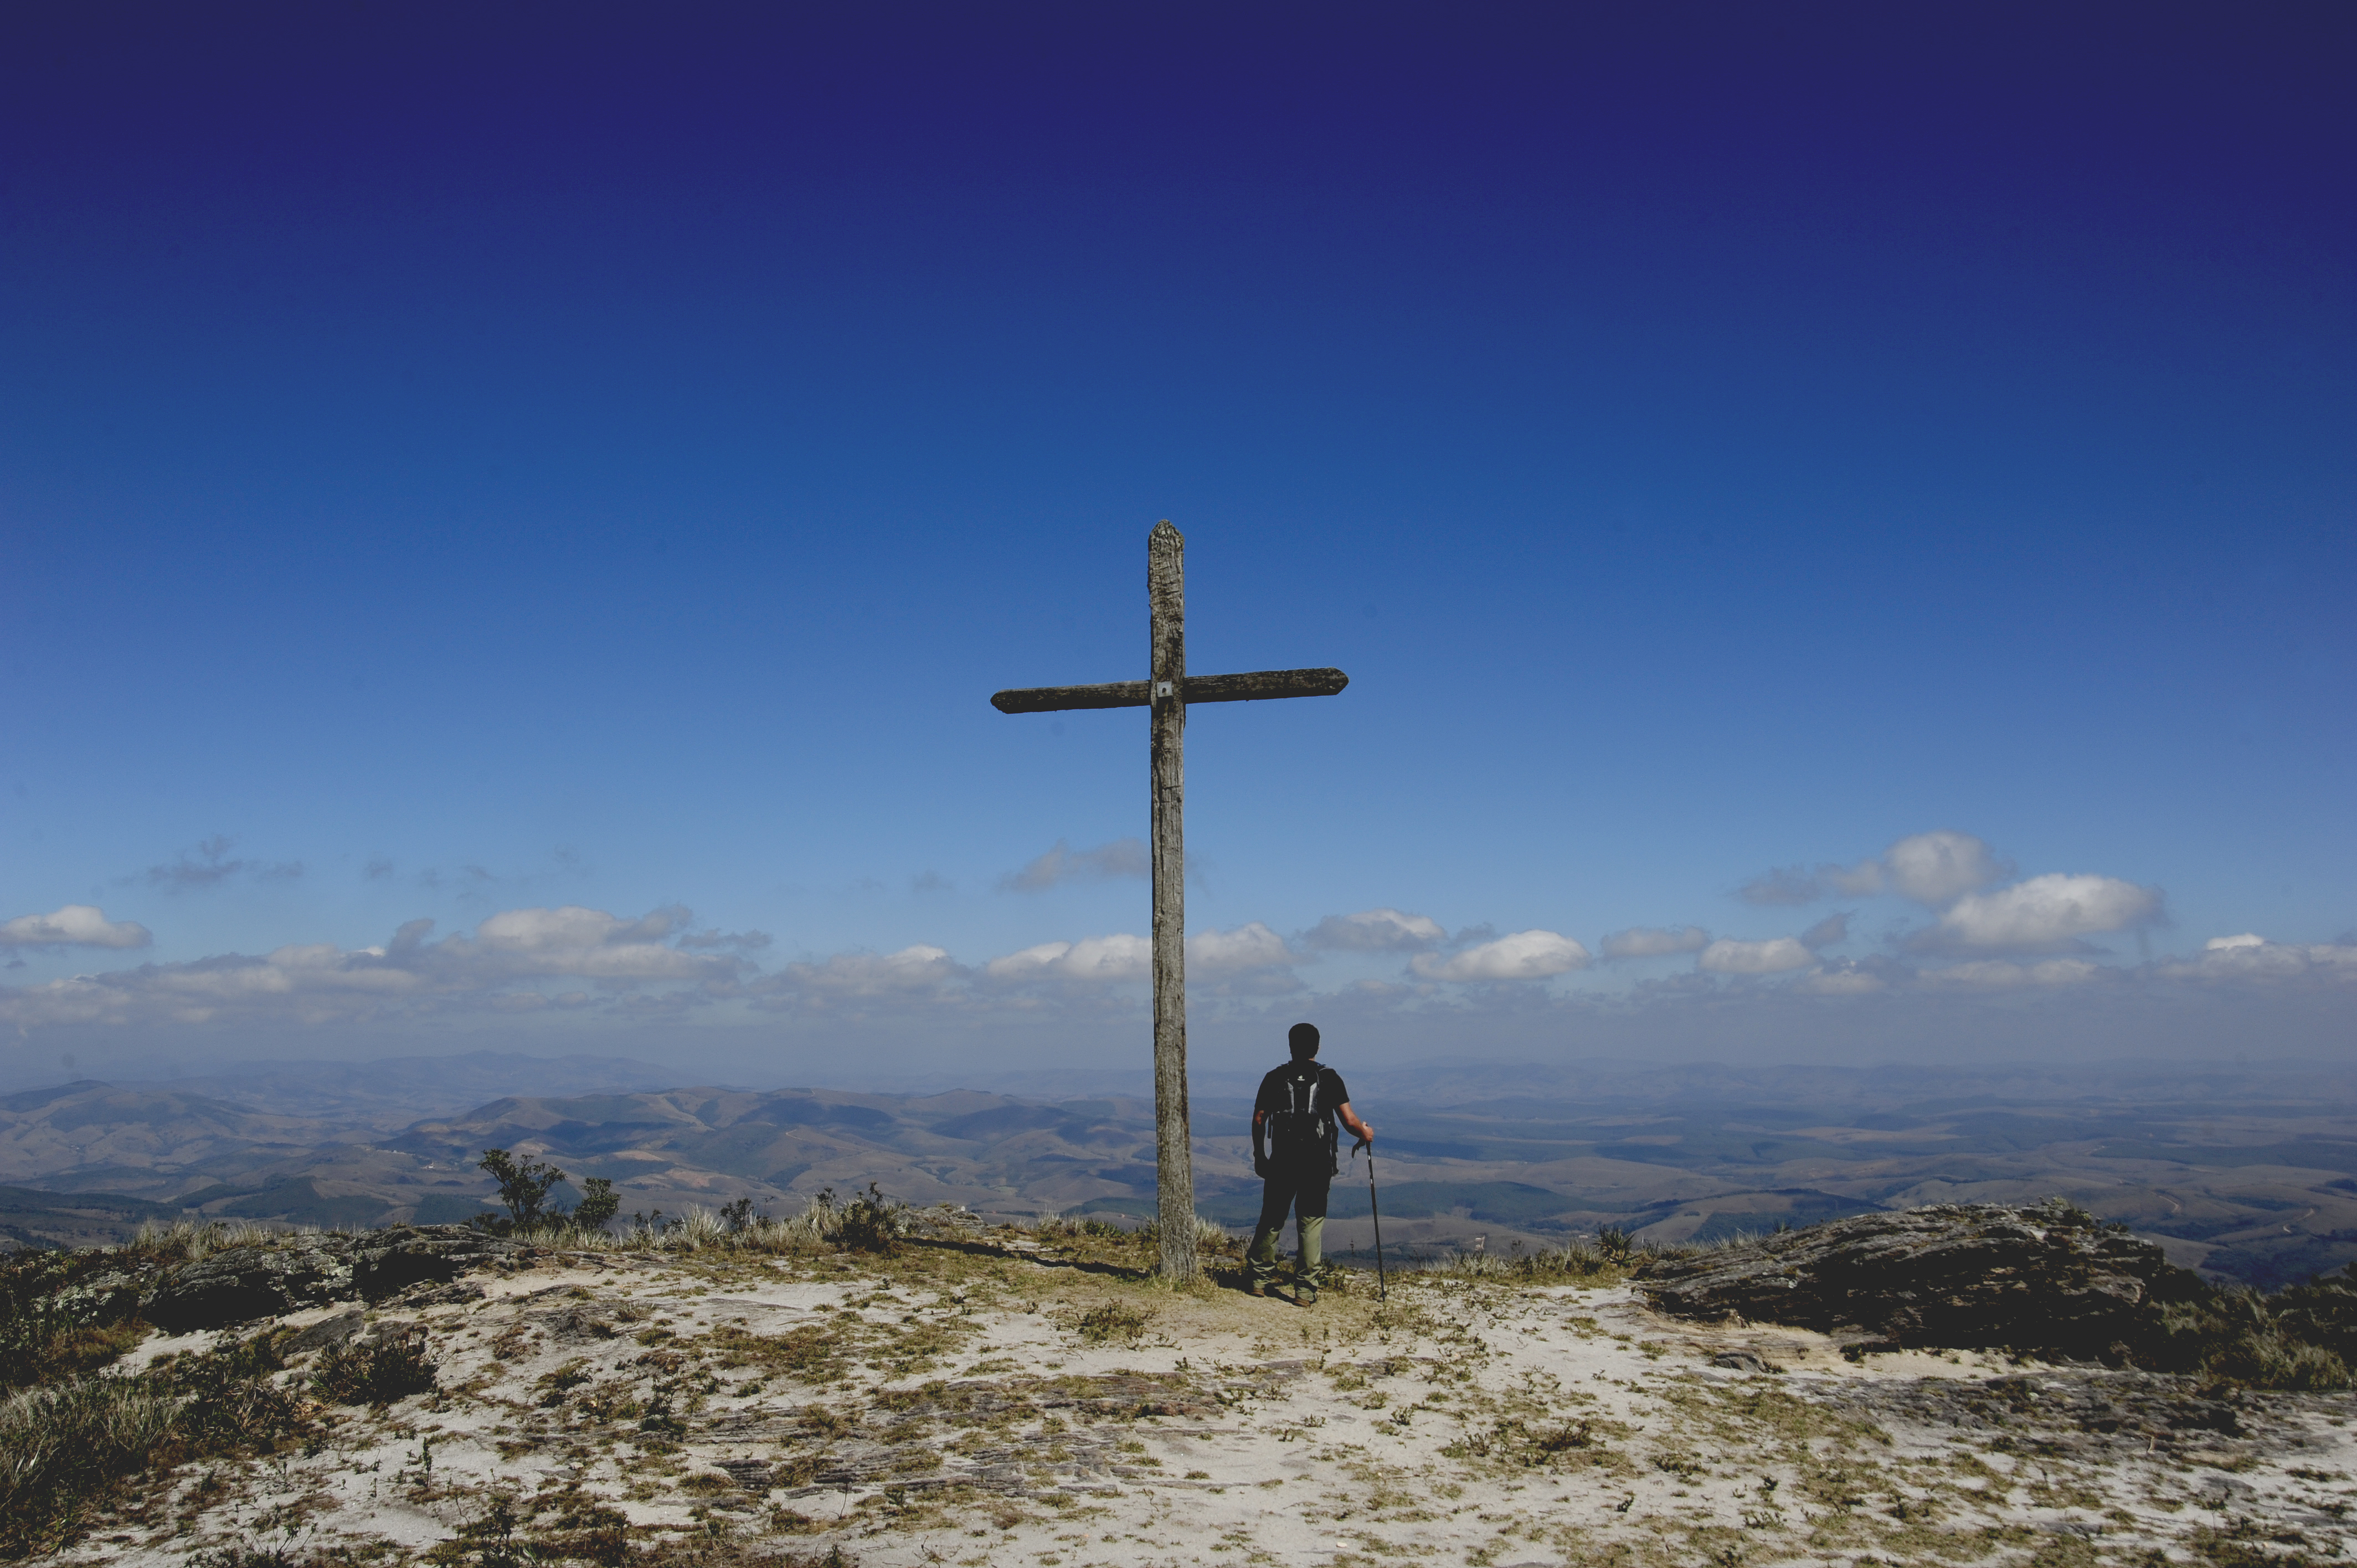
point(63, 1448)
point(524, 1186)
point(870, 1222)
point(1212, 1238)
point(59, 1446)
point(1551, 1264)
point(2321, 1313)
point(63, 1313)
point(488, 1541)
point(585, 1530)
point(599, 1203)
point(1114, 1320)
point(380, 1373)
point(2243, 1337)
point(244, 1557)
point(185, 1240)
point(228, 1402)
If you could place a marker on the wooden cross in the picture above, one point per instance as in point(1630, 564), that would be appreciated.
point(1167, 691)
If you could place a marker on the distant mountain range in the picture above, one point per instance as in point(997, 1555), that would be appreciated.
point(2249, 1174)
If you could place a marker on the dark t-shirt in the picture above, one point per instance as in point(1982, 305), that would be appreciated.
point(1276, 1095)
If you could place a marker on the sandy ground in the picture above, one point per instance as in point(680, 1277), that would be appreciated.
point(998, 1402)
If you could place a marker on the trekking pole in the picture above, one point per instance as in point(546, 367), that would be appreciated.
point(1382, 1282)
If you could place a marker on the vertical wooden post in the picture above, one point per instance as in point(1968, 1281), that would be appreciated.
point(1174, 1162)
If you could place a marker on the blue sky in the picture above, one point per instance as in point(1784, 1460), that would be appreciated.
point(472, 465)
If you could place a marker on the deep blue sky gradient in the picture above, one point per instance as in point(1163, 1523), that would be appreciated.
point(618, 450)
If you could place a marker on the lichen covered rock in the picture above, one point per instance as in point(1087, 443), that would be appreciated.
point(1977, 1275)
point(283, 1274)
point(392, 1260)
point(238, 1284)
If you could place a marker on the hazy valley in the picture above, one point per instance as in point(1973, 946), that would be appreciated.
point(2247, 1174)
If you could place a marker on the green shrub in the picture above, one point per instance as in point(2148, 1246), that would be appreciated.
point(524, 1186)
point(59, 1446)
point(64, 1446)
point(375, 1374)
point(870, 1222)
point(228, 1404)
point(2322, 1312)
point(244, 1557)
point(2239, 1335)
point(63, 1313)
point(599, 1203)
point(1114, 1320)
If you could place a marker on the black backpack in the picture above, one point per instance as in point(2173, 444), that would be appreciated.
point(1301, 1131)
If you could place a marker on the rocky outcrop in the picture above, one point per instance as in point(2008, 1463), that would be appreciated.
point(391, 1261)
point(1962, 1275)
point(328, 1333)
point(238, 1284)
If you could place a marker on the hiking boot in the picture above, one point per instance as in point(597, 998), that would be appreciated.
point(1255, 1287)
point(1306, 1293)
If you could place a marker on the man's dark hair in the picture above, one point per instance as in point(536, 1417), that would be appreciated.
point(1303, 1039)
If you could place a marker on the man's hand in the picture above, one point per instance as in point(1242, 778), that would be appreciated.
point(1260, 1166)
point(1359, 1129)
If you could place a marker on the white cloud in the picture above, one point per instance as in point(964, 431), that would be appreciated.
point(1116, 957)
point(2249, 957)
point(1860, 881)
point(1841, 981)
point(1652, 941)
point(1231, 953)
point(1997, 975)
point(318, 982)
point(1772, 957)
point(1525, 955)
point(1061, 862)
point(572, 939)
point(2043, 913)
point(1935, 867)
point(1375, 931)
point(918, 968)
point(1092, 958)
point(1026, 962)
point(74, 926)
point(1930, 869)
point(718, 940)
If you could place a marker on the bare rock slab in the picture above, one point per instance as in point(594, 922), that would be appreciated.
point(400, 1256)
point(1964, 1276)
point(239, 1285)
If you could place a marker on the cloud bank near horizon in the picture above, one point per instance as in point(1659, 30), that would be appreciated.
point(1975, 940)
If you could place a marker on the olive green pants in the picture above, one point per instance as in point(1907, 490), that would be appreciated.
point(1304, 1196)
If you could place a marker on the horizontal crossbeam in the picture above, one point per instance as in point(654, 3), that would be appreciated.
point(1258, 686)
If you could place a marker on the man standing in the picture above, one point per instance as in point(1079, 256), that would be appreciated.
point(1295, 1148)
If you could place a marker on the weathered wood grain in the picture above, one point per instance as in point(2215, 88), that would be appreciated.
point(1055, 699)
point(1264, 684)
point(1174, 1156)
point(1259, 685)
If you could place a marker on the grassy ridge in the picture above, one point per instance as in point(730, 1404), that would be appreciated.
point(72, 1441)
